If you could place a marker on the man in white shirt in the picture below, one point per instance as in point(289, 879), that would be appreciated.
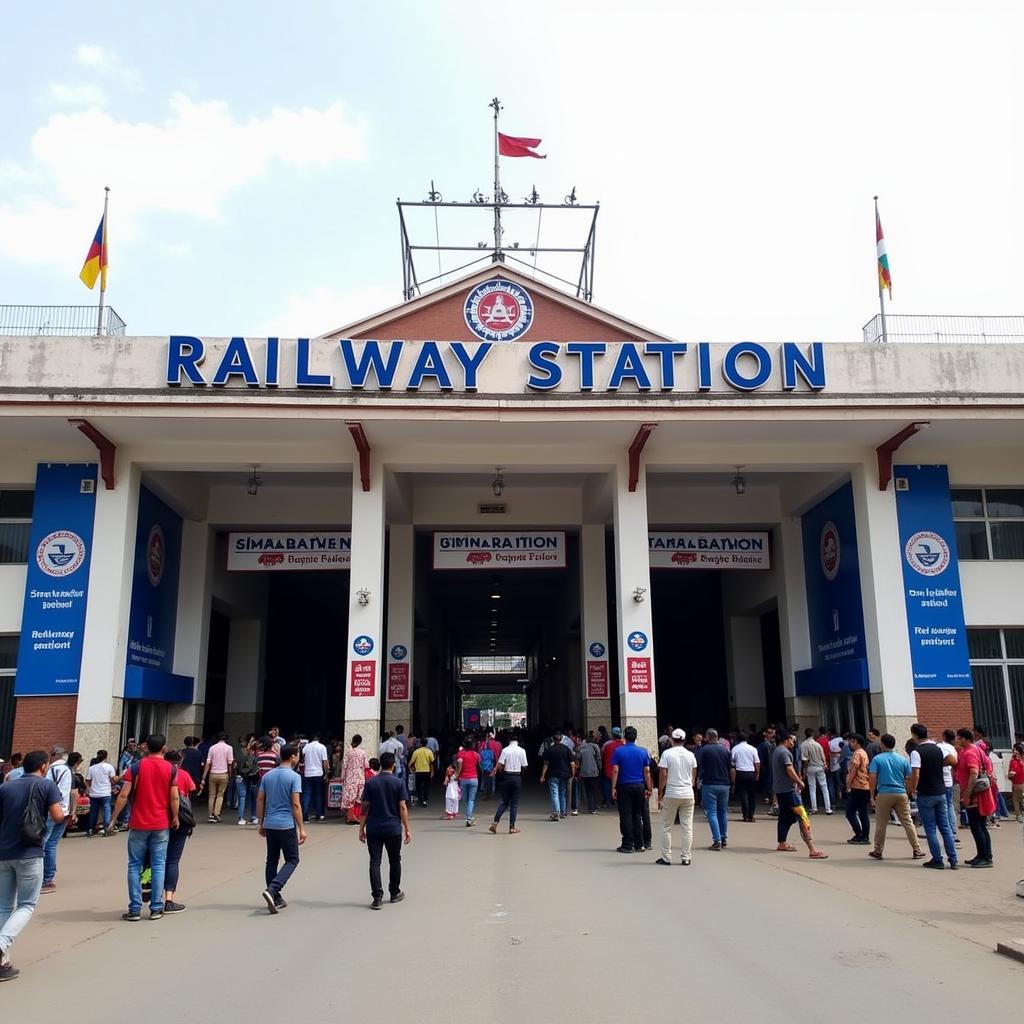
point(747, 764)
point(218, 769)
point(952, 795)
point(511, 763)
point(63, 778)
point(812, 760)
point(101, 777)
point(315, 769)
point(836, 777)
point(677, 774)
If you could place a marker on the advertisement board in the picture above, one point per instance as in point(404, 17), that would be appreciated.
point(289, 552)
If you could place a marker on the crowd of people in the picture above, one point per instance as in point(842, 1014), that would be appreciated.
point(279, 787)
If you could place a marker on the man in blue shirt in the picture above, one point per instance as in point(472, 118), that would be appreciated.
point(631, 787)
point(717, 777)
point(385, 823)
point(887, 776)
point(279, 809)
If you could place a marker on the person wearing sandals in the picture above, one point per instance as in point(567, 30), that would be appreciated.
point(787, 785)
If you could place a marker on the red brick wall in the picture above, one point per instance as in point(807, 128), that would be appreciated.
point(446, 321)
point(944, 709)
point(41, 722)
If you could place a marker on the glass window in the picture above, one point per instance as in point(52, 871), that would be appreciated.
point(1014, 643)
point(983, 644)
point(1016, 673)
point(16, 504)
point(967, 503)
point(971, 540)
point(989, 522)
point(988, 701)
point(1005, 503)
point(8, 652)
point(14, 543)
point(1007, 540)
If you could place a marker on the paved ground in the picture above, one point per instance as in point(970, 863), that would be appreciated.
point(514, 928)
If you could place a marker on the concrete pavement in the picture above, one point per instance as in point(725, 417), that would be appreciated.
point(508, 928)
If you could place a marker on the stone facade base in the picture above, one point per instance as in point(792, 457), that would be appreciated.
point(597, 711)
point(944, 709)
point(369, 729)
point(398, 712)
point(42, 722)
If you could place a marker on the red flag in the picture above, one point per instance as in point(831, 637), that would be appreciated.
point(511, 145)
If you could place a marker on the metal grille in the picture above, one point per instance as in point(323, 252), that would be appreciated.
point(906, 327)
point(67, 321)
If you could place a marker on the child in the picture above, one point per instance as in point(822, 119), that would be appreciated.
point(372, 768)
point(452, 794)
point(1016, 776)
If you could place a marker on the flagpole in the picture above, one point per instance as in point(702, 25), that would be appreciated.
point(881, 290)
point(496, 104)
point(103, 268)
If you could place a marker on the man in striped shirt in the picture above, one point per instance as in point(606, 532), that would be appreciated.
point(268, 756)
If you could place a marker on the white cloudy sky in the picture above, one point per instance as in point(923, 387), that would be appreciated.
point(254, 152)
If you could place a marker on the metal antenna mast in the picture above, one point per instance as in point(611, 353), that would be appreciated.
point(498, 194)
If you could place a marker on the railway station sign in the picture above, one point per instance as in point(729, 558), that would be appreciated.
point(289, 552)
point(709, 550)
point(477, 549)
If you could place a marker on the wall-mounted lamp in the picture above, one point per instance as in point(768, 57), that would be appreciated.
point(363, 596)
point(255, 481)
point(498, 483)
point(739, 481)
point(638, 594)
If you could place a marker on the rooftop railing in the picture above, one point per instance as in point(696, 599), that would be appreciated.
point(66, 321)
point(906, 327)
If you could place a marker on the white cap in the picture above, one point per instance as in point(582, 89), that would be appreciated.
point(678, 734)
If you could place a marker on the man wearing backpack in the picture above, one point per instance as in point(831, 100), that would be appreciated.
point(153, 788)
point(247, 780)
point(490, 751)
point(27, 804)
point(64, 779)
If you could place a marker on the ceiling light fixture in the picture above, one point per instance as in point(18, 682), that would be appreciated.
point(498, 483)
point(739, 481)
point(255, 481)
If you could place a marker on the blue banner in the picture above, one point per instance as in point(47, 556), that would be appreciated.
point(931, 578)
point(57, 582)
point(154, 609)
point(835, 612)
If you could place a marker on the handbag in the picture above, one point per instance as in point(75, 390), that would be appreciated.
point(984, 780)
point(33, 820)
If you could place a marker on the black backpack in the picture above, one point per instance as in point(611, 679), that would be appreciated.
point(33, 819)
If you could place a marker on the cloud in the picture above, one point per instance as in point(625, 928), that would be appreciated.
point(176, 250)
point(320, 309)
point(188, 164)
point(76, 94)
point(107, 63)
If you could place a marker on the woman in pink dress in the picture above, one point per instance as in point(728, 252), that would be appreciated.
point(353, 777)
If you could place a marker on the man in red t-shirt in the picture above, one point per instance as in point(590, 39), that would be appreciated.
point(154, 812)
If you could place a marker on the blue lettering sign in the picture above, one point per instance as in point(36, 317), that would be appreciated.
point(57, 581)
point(629, 366)
point(273, 363)
point(586, 350)
point(184, 356)
point(703, 366)
point(667, 351)
point(731, 366)
point(795, 363)
point(303, 378)
point(429, 364)
point(542, 358)
point(383, 370)
point(470, 363)
point(236, 362)
point(931, 579)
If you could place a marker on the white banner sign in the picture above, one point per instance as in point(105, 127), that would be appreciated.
point(288, 552)
point(479, 550)
point(709, 550)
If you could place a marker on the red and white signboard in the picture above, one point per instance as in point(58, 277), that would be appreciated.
point(597, 680)
point(704, 549)
point(480, 550)
point(398, 681)
point(363, 680)
point(289, 552)
point(638, 675)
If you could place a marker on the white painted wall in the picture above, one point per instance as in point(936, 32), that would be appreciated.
point(12, 597)
point(527, 506)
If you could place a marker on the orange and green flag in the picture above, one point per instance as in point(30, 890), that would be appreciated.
point(884, 277)
point(96, 262)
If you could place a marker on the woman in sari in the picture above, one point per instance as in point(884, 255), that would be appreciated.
point(353, 776)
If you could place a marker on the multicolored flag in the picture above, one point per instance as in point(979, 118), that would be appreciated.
point(96, 262)
point(884, 277)
point(511, 145)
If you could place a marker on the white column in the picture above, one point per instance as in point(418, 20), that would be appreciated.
point(243, 688)
point(192, 634)
point(597, 705)
point(793, 621)
point(637, 701)
point(105, 644)
point(398, 708)
point(363, 681)
point(893, 703)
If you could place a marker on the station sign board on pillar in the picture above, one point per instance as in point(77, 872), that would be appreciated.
point(398, 673)
point(931, 578)
point(639, 677)
point(363, 668)
point(597, 671)
point(57, 581)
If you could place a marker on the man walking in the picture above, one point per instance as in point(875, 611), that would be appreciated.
point(714, 766)
point(279, 808)
point(385, 826)
point(316, 767)
point(21, 861)
point(490, 751)
point(927, 767)
point(787, 784)
point(588, 758)
point(154, 812)
point(217, 772)
point(812, 764)
point(631, 785)
point(677, 774)
point(888, 774)
point(558, 769)
point(63, 778)
point(421, 764)
point(511, 763)
point(746, 764)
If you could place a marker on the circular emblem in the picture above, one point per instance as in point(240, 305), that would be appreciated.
point(155, 555)
point(60, 553)
point(498, 311)
point(597, 650)
point(362, 645)
point(927, 553)
point(829, 550)
point(636, 641)
point(398, 652)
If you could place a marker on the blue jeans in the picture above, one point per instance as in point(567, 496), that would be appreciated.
point(556, 787)
point(54, 833)
point(96, 805)
point(606, 790)
point(313, 796)
point(932, 810)
point(487, 785)
point(469, 788)
point(20, 882)
point(246, 795)
point(141, 842)
point(715, 800)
